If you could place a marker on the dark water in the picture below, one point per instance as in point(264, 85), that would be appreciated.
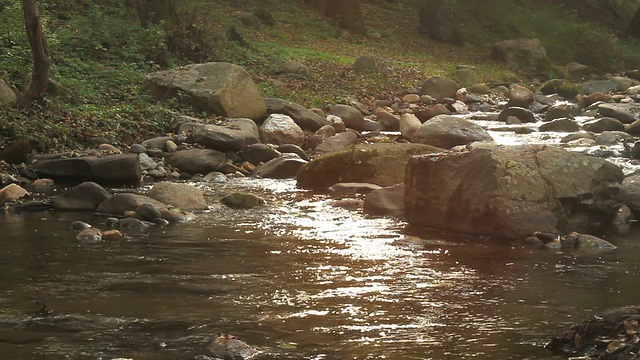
point(299, 279)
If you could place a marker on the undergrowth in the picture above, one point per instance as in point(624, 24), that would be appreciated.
point(101, 52)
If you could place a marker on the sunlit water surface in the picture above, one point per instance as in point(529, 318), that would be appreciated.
point(299, 279)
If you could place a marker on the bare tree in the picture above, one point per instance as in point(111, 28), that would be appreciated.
point(41, 56)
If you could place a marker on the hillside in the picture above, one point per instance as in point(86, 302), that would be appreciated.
point(101, 51)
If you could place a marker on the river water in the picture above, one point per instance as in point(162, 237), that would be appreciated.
point(299, 279)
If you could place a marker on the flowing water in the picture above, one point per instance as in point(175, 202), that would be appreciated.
point(299, 279)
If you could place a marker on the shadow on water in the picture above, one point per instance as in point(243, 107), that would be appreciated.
point(299, 279)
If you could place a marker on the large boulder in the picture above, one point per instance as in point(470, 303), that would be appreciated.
point(439, 87)
point(280, 129)
point(233, 135)
point(183, 196)
point(445, 131)
point(526, 55)
point(110, 169)
point(306, 119)
point(84, 197)
point(380, 164)
point(508, 192)
point(196, 161)
point(221, 88)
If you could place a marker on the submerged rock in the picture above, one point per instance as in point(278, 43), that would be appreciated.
point(240, 200)
point(229, 347)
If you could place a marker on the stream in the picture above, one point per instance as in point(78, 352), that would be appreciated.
point(299, 279)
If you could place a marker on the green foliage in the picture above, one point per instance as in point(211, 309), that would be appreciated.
point(564, 35)
point(101, 53)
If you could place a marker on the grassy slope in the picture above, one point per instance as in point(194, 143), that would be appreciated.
point(101, 55)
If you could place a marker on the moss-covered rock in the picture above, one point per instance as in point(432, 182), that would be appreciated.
point(564, 88)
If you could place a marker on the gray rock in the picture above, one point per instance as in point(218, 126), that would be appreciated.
point(626, 113)
point(221, 88)
point(233, 135)
point(280, 129)
point(118, 204)
point(522, 114)
point(138, 149)
point(630, 193)
point(372, 63)
point(293, 149)
point(387, 201)
point(283, 167)
point(148, 212)
point(242, 200)
point(559, 111)
point(388, 121)
point(112, 169)
point(409, 124)
point(306, 119)
point(508, 192)
point(560, 125)
point(196, 161)
point(319, 136)
point(439, 88)
point(293, 67)
point(157, 143)
point(90, 235)
point(183, 196)
point(79, 225)
point(603, 124)
point(131, 225)
point(146, 162)
point(84, 197)
point(380, 164)
point(259, 153)
point(337, 142)
point(351, 116)
point(520, 96)
point(603, 86)
point(215, 177)
point(445, 131)
point(228, 347)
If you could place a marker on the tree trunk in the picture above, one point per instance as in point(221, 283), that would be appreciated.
point(348, 14)
point(41, 56)
point(634, 26)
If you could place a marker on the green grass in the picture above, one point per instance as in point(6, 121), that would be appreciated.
point(101, 53)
